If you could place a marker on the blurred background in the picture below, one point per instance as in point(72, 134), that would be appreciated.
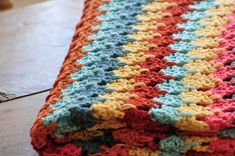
point(34, 39)
point(13, 4)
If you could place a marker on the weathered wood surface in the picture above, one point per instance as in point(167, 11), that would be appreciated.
point(16, 119)
point(33, 43)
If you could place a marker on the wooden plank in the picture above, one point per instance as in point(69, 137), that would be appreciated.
point(33, 43)
point(23, 3)
point(16, 119)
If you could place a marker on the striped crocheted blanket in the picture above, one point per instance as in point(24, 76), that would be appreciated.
point(144, 78)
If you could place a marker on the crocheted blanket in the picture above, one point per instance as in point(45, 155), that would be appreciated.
point(144, 78)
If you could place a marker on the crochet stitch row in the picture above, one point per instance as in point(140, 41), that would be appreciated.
point(144, 78)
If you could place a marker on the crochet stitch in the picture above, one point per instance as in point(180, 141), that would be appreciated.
point(144, 78)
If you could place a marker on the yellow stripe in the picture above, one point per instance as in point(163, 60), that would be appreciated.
point(199, 97)
point(215, 20)
point(128, 72)
point(227, 2)
point(123, 85)
point(94, 131)
point(202, 143)
point(118, 96)
point(157, 6)
point(153, 15)
point(222, 10)
point(196, 110)
point(202, 66)
point(138, 46)
point(206, 54)
point(136, 151)
point(113, 124)
point(134, 58)
point(148, 25)
point(210, 31)
point(110, 110)
point(85, 135)
point(206, 42)
point(190, 123)
point(143, 35)
point(200, 81)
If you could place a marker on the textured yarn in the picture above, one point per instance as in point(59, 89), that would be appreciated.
point(144, 78)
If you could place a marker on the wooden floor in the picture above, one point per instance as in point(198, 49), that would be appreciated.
point(33, 43)
point(16, 118)
point(23, 3)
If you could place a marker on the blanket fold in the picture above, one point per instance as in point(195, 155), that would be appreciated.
point(144, 78)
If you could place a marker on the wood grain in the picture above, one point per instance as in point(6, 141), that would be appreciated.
point(5, 4)
point(23, 3)
point(33, 43)
point(16, 119)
